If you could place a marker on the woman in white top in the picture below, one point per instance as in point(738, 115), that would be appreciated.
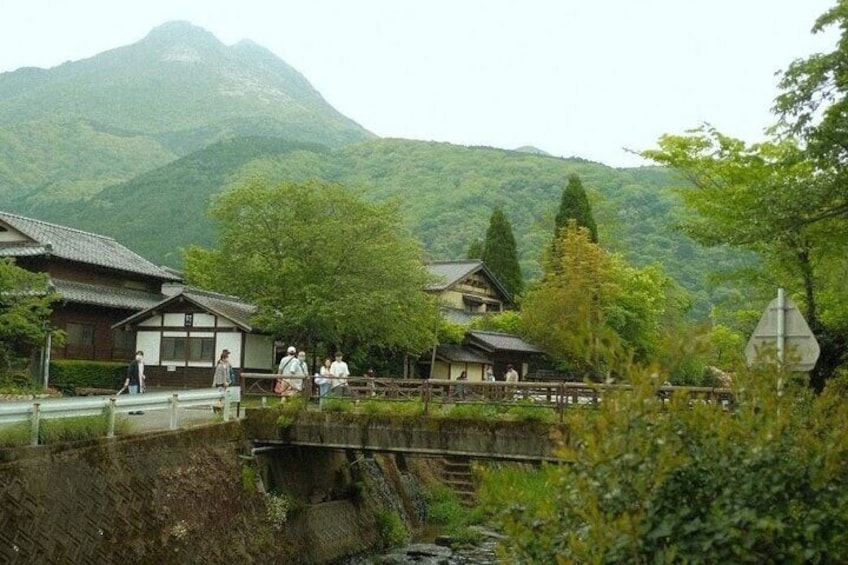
point(324, 380)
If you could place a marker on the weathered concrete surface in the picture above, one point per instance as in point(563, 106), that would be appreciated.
point(172, 497)
point(506, 440)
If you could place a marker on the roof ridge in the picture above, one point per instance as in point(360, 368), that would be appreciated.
point(443, 261)
point(212, 293)
point(51, 224)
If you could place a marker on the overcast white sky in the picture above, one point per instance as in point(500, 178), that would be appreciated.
point(580, 78)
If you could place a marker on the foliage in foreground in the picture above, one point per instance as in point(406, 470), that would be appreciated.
point(681, 481)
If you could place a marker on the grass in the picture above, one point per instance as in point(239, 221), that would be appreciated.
point(58, 430)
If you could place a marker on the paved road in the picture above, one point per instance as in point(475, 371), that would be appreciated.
point(159, 420)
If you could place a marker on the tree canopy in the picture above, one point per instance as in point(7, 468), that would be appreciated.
point(591, 310)
point(574, 205)
point(24, 310)
point(322, 265)
point(500, 253)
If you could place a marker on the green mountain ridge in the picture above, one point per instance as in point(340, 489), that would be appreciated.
point(447, 191)
point(177, 90)
point(135, 142)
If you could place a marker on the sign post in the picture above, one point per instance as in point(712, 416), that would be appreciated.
point(783, 327)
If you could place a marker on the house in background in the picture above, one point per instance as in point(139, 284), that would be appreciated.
point(113, 302)
point(98, 280)
point(466, 290)
point(503, 349)
point(183, 335)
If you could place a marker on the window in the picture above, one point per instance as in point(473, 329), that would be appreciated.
point(79, 342)
point(123, 344)
point(188, 349)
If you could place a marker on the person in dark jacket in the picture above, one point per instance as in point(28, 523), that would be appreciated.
point(134, 382)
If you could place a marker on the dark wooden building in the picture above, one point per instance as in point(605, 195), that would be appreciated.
point(98, 280)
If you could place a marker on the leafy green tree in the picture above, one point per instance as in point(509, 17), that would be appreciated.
point(500, 253)
point(322, 265)
point(760, 198)
point(574, 205)
point(508, 321)
point(652, 480)
point(25, 300)
point(813, 104)
point(475, 250)
point(592, 310)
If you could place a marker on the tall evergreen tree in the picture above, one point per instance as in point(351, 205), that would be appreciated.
point(475, 250)
point(500, 253)
point(574, 205)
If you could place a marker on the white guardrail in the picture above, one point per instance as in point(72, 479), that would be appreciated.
point(35, 411)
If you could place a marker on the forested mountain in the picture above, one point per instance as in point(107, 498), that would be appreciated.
point(448, 194)
point(69, 131)
point(134, 142)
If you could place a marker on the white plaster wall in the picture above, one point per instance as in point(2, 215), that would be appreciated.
point(203, 320)
point(150, 322)
point(173, 319)
point(258, 352)
point(231, 341)
point(150, 344)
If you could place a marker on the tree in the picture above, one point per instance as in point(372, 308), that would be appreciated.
point(321, 264)
point(475, 250)
point(592, 311)
point(762, 198)
point(574, 205)
point(813, 104)
point(500, 253)
point(25, 300)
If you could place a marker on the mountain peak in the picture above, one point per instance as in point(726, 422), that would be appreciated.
point(182, 32)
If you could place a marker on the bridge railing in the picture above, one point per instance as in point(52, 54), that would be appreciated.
point(36, 411)
point(557, 395)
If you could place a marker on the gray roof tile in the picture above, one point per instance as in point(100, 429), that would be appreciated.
point(460, 354)
point(448, 273)
point(498, 341)
point(230, 307)
point(75, 245)
point(102, 295)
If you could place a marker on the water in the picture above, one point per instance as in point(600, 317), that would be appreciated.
point(435, 554)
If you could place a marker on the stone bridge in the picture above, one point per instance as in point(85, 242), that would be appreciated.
point(527, 441)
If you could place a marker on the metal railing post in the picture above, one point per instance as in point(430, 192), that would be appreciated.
point(174, 406)
point(110, 432)
point(425, 394)
point(226, 410)
point(35, 422)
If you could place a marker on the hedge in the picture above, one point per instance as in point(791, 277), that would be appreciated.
point(66, 375)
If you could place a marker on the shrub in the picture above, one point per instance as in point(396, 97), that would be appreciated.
point(66, 375)
point(687, 481)
point(391, 529)
point(337, 405)
point(526, 411)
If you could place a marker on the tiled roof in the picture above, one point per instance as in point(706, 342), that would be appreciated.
point(460, 354)
point(448, 273)
point(102, 295)
point(75, 245)
point(230, 307)
point(497, 341)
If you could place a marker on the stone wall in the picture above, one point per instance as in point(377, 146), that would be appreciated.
point(181, 497)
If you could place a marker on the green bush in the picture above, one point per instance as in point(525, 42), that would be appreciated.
point(687, 481)
point(391, 529)
point(66, 375)
point(526, 411)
